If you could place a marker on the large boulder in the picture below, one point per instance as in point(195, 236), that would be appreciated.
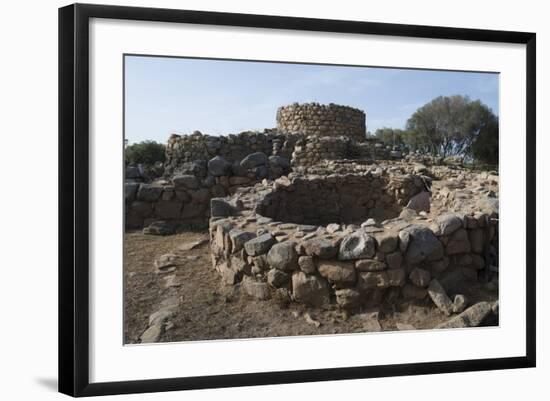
point(283, 256)
point(357, 245)
point(311, 290)
point(422, 245)
point(218, 166)
point(254, 160)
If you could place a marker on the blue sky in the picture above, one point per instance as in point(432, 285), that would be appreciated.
point(218, 97)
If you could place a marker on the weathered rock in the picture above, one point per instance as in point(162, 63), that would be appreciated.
point(471, 317)
point(337, 271)
point(218, 166)
point(192, 209)
point(133, 172)
point(369, 265)
point(185, 181)
point(311, 290)
point(260, 262)
point(476, 240)
point(279, 161)
point(439, 266)
point(478, 262)
point(277, 278)
point(488, 205)
point(165, 261)
point(394, 260)
point(423, 245)
point(408, 214)
point(459, 303)
point(411, 291)
point(348, 298)
point(130, 191)
point(229, 276)
point(220, 207)
point(259, 245)
point(387, 241)
point(396, 277)
point(420, 277)
point(320, 247)
point(159, 228)
point(283, 256)
point(370, 321)
point(447, 224)
point(372, 280)
point(306, 264)
point(439, 297)
point(239, 238)
point(357, 245)
point(404, 326)
point(168, 209)
point(458, 243)
point(149, 193)
point(495, 308)
point(255, 288)
point(254, 160)
point(404, 239)
point(152, 334)
point(332, 228)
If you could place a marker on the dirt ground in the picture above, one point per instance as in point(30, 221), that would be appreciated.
point(207, 309)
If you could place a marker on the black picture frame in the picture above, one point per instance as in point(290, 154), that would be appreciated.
point(74, 201)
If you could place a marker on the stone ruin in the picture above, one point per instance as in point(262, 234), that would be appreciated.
point(316, 212)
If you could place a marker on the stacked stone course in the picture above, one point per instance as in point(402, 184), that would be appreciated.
point(322, 120)
point(348, 264)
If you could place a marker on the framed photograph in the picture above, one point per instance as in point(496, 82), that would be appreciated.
point(252, 199)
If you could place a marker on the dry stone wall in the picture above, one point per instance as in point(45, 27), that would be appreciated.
point(350, 265)
point(183, 149)
point(349, 198)
point(184, 198)
point(322, 120)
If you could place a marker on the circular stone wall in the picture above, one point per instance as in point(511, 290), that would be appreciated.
point(350, 198)
point(409, 257)
point(322, 120)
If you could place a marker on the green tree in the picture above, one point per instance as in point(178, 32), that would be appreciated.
point(454, 126)
point(390, 136)
point(146, 153)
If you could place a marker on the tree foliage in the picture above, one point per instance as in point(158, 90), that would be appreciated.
point(146, 153)
point(454, 126)
point(391, 136)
